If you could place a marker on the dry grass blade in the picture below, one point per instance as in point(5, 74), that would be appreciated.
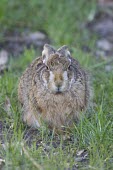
point(8, 107)
point(31, 159)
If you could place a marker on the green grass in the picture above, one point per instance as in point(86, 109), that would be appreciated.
point(20, 147)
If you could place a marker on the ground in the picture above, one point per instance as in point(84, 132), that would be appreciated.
point(89, 145)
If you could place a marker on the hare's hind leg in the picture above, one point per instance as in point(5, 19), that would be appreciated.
point(30, 119)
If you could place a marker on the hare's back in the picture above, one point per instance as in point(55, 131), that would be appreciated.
point(25, 81)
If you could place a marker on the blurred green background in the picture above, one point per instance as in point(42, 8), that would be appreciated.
point(62, 19)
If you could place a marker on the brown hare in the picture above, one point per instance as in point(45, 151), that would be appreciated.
point(53, 89)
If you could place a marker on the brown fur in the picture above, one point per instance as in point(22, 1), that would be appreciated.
point(42, 103)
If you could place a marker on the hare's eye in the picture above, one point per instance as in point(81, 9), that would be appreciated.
point(47, 67)
point(52, 64)
point(70, 67)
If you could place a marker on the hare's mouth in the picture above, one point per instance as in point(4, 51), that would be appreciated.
point(58, 90)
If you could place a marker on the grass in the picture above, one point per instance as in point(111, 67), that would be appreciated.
point(23, 148)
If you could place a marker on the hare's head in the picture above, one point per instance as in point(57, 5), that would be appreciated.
point(59, 73)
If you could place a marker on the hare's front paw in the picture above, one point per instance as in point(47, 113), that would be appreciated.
point(31, 120)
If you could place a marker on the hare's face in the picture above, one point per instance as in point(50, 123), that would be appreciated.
point(59, 75)
point(58, 81)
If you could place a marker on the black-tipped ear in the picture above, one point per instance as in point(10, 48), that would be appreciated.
point(47, 51)
point(64, 51)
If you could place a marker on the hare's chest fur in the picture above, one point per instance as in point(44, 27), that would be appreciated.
point(59, 109)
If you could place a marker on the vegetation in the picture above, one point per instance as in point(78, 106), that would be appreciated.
point(23, 148)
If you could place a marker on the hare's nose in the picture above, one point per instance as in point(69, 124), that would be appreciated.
point(58, 82)
point(58, 90)
point(59, 85)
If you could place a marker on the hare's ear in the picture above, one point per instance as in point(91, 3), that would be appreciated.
point(64, 51)
point(47, 51)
